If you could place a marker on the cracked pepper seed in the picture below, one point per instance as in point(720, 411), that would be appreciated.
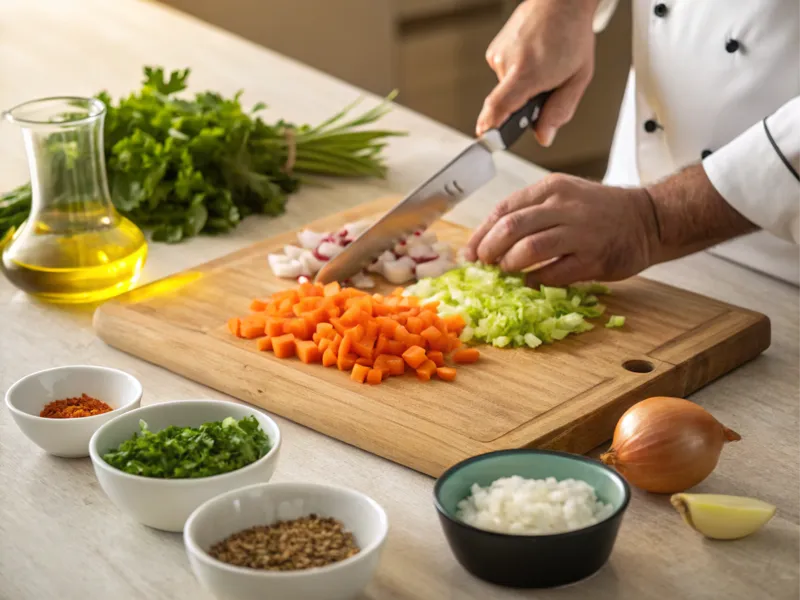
point(293, 545)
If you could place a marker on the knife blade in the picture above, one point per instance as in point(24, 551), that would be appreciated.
point(462, 176)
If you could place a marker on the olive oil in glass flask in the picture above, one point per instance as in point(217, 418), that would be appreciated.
point(74, 247)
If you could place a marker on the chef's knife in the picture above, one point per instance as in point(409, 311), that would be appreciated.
point(462, 176)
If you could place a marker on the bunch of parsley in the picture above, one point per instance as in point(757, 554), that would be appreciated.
point(180, 166)
point(184, 452)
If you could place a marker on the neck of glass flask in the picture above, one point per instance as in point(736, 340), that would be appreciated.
point(64, 145)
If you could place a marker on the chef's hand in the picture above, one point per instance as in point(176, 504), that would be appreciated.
point(545, 45)
point(594, 232)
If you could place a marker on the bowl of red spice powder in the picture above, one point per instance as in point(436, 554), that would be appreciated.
point(60, 409)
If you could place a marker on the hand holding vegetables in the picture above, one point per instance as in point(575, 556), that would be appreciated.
point(587, 231)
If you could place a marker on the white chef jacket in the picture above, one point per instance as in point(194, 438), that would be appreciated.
point(719, 81)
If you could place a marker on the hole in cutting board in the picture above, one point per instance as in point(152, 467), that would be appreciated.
point(638, 366)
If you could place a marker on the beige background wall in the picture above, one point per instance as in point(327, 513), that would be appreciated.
point(432, 51)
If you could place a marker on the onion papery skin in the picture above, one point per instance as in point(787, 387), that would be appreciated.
point(667, 445)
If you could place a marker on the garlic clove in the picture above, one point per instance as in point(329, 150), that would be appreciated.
point(720, 517)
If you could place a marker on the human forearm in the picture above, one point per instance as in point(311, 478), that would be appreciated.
point(690, 215)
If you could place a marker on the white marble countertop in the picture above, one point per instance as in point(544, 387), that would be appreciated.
point(60, 537)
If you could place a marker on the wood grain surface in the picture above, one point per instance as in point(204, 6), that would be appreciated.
point(567, 396)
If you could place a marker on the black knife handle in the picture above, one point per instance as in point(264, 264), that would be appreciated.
point(520, 121)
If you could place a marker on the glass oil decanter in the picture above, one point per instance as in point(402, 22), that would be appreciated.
point(74, 247)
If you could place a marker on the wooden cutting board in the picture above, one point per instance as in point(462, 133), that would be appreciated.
point(567, 396)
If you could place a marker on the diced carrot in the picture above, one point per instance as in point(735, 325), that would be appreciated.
point(309, 289)
point(367, 362)
point(401, 335)
point(251, 328)
point(431, 306)
point(324, 344)
point(455, 323)
point(315, 338)
point(359, 373)
point(442, 344)
point(398, 291)
point(446, 373)
point(454, 343)
point(334, 311)
point(467, 355)
point(336, 343)
point(414, 356)
point(347, 342)
point(291, 295)
point(352, 316)
point(427, 317)
point(395, 348)
point(234, 325)
point(413, 339)
point(283, 346)
point(362, 350)
point(372, 329)
point(381, 309)
point(324, 329)
point(382, 362)
point(331, 289)
point(258, 305)
point(437, 357)
point(328, 358)
point(374, 377)
point(414, 325)
point(307, 351)
point(426, 370)
point(439, 323)
point(339, 326)
point(356, 333)
point(274, 327)
point(264, 343)
point(380, 345)
point(315, 317)
point(297, 310)
point(299, 328)
point(286, 306)
point(431, 334)
point(397, 366)
point(388, 327)
point(345, 362)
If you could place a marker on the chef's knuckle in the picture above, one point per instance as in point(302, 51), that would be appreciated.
point(536, 246)
point(555, 183)
point(510, 224)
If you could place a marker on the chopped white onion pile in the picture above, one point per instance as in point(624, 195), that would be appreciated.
point(415, 257)
point(522, 506)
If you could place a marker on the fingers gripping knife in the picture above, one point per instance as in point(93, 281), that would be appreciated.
point(457, 180)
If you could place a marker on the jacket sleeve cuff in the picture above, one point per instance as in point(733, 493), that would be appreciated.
point(605, 10)
point(757, 172)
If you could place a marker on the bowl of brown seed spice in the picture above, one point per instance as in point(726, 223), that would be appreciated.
point(286, 540)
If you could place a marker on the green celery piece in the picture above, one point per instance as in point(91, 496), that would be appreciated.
point(499, 309)
point(615, 321)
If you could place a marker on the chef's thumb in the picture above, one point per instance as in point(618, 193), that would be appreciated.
point(507, 96)
point(560, 107)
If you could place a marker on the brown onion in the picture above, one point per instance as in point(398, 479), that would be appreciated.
point(667, 445)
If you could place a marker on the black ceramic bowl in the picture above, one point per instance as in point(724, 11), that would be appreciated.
point(530, 561)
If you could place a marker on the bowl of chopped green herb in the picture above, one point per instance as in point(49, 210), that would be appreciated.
point(160, 462)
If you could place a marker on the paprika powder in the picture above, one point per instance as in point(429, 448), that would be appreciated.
point(70, 408)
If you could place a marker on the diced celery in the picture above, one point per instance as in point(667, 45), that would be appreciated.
point(615, 321)
point(500, 309)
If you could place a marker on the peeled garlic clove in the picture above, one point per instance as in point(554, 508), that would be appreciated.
point(722, 517)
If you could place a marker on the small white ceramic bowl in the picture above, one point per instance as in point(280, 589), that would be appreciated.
point(265, 504)
point(69, 437)
point(166, 503)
